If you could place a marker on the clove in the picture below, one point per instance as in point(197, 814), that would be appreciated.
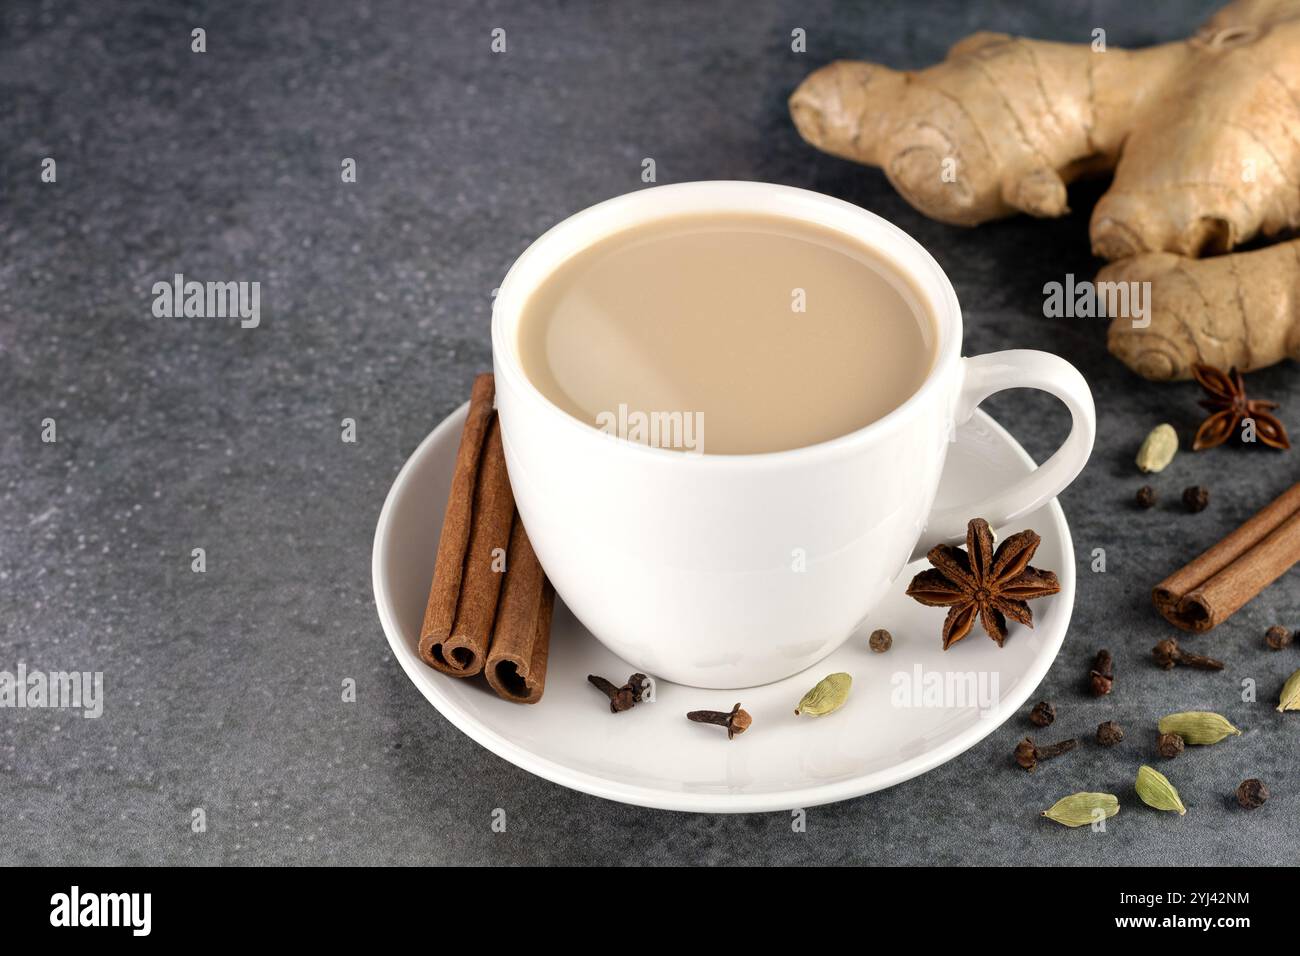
point(1028, 754)
point(1102, 676)
point(736, 721)
point(620, 698)
point(1167, 653)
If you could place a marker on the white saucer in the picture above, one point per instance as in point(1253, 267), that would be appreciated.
point(652, 756)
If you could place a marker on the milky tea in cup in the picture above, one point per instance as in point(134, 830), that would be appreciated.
point(727, 333)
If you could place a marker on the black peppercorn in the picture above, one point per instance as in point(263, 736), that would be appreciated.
point(1196, 498)
point(1278, 637)
point(1042, 714)
point(880, 641)
point(1252, 794)
point(1146, 497)
point(1109, 733)
point(1170, 746)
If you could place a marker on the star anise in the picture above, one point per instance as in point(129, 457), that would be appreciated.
point(1227, 400)
point(981, 582)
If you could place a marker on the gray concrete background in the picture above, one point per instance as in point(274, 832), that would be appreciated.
point(223, 688)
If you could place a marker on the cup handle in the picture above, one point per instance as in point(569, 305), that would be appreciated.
point(1018, 368)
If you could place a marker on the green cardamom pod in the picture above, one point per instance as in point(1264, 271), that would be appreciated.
point(829, 694)
point(1155, 790)
point(1290, 694)
point(1081, 809)
point(1198, 727)
point(1158, 449)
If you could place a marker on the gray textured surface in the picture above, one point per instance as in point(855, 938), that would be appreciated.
point(223, 688)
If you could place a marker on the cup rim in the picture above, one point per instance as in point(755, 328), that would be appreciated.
point(583, 228)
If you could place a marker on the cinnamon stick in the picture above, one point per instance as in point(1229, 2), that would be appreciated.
point(516, 664)
point(1206, 592)
point(467, 570)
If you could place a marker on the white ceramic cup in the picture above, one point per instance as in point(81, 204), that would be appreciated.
point(688, 566)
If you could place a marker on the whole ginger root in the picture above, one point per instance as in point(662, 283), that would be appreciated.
point(1241, 311)
point(1202, 136)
